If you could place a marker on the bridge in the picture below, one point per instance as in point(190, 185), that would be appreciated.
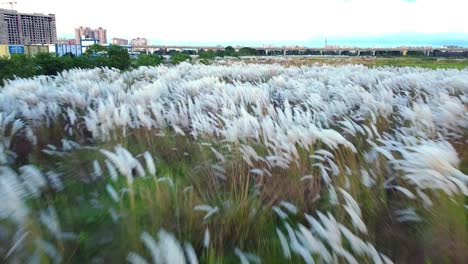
point(297, 50)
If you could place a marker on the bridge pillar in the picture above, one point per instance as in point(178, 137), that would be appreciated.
point(284, 52)
point(373, 53)
point(339, 52)
point(359, 52)
point(321, 52)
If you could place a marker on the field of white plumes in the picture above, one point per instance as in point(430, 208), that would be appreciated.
point(235, 163)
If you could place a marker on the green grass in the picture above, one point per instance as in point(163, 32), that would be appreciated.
point(431, 63)
point(403, 61)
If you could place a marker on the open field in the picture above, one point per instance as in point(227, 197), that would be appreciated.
point(246, 163)
point(423, 62)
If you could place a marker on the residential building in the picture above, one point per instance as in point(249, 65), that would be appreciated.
point(119, 41)
point(138, 42)
point(89, 33)
point(26, 29)
point(66, 41)
point(101, 34)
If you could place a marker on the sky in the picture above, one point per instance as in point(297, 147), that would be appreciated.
point(259, 21)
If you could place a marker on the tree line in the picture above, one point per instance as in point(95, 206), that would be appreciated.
point(22, 66)
point(115, 56)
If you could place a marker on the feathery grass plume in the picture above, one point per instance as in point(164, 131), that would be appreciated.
point(50, 220)
point(246, 257)
point(190, 253)
point(68, 145)
point(427, 202)
point(249, 155)
point(323, 173)
point(112, 171)
point(132, 161)
point(208, 209)
point(112, 193)
point(289, 206)
point(350, 201)
point(3, 155)
point(97, 171)
point(387, 154)
point(13, 195)
point(206, 238)
point(366, 179)
point(241, 256)
point(407, 215)
point(218, 155)
point(405, 191)
point(55, 181)
point(166, 179)
point(282, 215)
point(134, 258)
point(353, 210)
point(313, 245)
point(257, 171)
point(297, 247)
point(433, 165)
point(150, 163)
point(284, 244)
point(18, 240)
point(333, 196)
point(357, 245)
point(166, 250)
point(124, 162)
point(120, 164)
point(33, 179)
point(152, 247)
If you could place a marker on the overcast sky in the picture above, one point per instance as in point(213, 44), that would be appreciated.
point(267, 21)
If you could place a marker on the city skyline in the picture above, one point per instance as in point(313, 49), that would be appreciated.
point(254, 23)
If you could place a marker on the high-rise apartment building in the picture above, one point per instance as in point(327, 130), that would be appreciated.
point(88, 33)
point(23, 28)
point(101, 34)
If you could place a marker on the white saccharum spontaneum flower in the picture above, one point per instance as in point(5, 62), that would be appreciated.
point(348, 127)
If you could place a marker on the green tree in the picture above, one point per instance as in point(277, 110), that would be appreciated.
point(207, 55)
point(246, 51)
point(95, 49)
point(177, 58)
point(148, 60)
point(48, 63)
point(118, 57)
point(229, 51)
point(220, 53)
point(18, 65)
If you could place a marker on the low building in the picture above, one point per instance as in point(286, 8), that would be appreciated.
point(138, 42)
point(119, 41)
point(66, 41)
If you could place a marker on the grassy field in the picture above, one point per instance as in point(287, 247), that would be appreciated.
point(423, 62)
point(246, 163)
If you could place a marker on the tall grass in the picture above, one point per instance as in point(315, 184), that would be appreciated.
point(239, 163)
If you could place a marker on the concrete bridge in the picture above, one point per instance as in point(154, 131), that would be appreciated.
point(350, 51)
